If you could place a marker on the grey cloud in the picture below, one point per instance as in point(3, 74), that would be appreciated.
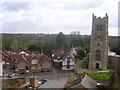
point(14, 6)
point(73, 5)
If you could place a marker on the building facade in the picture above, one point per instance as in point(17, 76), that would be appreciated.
point(98, 56)
point(68, 64)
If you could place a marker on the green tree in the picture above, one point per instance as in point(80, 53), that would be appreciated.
point(60, 40)
point(81, 54)
point(15, 45)
point(33, 47)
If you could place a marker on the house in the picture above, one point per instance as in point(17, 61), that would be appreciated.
point(68, 64)
point(24, 53)
point(40, 62)
point(57, 58)
point(33, 63)
point(73, 51)
point(21, 64)
point(10, 60)
point(86, 84)
point(57, 62)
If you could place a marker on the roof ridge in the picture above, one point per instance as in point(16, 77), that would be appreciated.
point(24, 58)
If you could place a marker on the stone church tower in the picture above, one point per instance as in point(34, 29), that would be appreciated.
point(98, 55)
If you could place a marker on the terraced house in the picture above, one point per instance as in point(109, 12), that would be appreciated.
point(28, 63)
point(33, 63)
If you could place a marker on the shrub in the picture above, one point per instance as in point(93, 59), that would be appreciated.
point(42, 70)
point(18, 80)
point(22, 73)
point(85, 65)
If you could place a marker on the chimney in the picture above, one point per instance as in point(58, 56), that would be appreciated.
point(34, 81)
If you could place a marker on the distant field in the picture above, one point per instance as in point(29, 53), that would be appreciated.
point(100, 75)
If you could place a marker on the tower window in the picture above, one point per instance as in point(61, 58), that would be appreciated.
point(97, 27)
point(98, 37)
point(100, 27)
point(98, 55)
point(98, 44)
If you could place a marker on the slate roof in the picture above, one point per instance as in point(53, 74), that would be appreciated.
point(88, 82)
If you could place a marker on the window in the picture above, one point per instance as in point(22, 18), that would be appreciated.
point(68, 66)
point(98, 37)
point(39, 67)
point(99, 27)
point(21, 65)
point(98, 44)
point(98, 55)
point(7, 63)
point(68, 61)
point(46, 65)
point(34, 61)
point(32, 67)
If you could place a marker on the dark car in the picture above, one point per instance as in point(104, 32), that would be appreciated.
point(29, 87)
point(44, 80)
point(10, 75)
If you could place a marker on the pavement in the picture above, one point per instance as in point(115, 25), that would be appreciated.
point(54, 83)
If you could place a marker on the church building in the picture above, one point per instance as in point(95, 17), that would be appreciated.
point(98, 56)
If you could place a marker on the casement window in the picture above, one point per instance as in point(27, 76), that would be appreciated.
point(32, 67)
point(7, 63)
point(46, 65)
point(21, 65)
point(34, 61)
point(39, 67)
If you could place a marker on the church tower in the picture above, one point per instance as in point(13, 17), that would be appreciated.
point(98, 55)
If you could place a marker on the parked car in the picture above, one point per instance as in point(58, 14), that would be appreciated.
point(45, 80)
point(29, 87)
point(10, 75)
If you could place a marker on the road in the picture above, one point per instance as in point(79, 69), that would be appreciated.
point(55, 80)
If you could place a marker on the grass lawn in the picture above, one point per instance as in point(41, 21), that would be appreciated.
point(77, 60)
point(100, 75)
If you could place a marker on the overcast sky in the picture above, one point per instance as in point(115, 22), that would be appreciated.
point(54, 16)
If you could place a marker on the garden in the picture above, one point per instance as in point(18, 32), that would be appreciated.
point(13, 83)
point(100, 75)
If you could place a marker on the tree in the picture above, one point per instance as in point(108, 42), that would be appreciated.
point(60, 40)
point(33, 47)
point(15, 45)
point(81, 54)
